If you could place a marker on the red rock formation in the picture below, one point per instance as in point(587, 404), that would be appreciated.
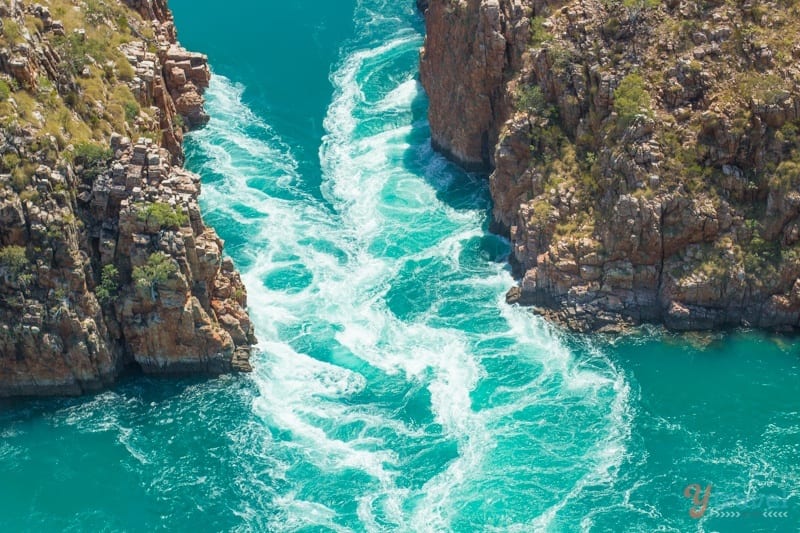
point(81, 295)
point(642, 165)
point(466, 65)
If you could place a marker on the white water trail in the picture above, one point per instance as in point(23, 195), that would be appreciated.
point(356, 341)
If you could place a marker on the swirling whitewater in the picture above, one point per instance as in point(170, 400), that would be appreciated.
point(394, 390)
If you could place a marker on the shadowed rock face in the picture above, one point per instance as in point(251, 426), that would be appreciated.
point(644, 160)
point(105, 261)
point(463, 62)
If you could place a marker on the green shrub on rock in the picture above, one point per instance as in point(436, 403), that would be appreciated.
point(533, 100)
point(91, 154)
point(109, 284)
point(539, 33)
point(786, 177)
point(13, 258)
point(631, 98)
point(5, 90)
point(158, 269)
point(164, 215)
point(131, 111)
point(13, 264)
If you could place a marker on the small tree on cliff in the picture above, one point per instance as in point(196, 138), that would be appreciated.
point(631, 99)
point(109, 284)
point(158, 269)
point(163, 214)
point(13, 263)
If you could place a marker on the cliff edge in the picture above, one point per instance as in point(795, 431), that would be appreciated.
point(105, 262)
point(644, 156)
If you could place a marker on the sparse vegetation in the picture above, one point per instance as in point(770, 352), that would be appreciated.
point(786, 177)
point(109, 284)
point(542, 211)
point(80, 51)
point(5, 90)
point(11, 31)
point(631, 98)
point(14, 265)
point(91, 154)
point(533, 100)
point(88, 99)
point(767, 88)
point(9, 161)
point(13, 259)
point(158, 269)
point(539, 33)
point(22, 174)
point(238, 294)
point(131, 111)
point(637, 6)
point(163, 215)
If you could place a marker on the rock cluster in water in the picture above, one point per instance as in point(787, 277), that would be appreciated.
point(105, 261)
point(644, 156)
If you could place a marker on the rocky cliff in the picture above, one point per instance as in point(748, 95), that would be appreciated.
point(105, 262)
point(644, 156)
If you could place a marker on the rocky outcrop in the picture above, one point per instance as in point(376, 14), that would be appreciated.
point(171, 79)
point(105, 262)
point(193, 318)
point(465, 64)
point(644, 157)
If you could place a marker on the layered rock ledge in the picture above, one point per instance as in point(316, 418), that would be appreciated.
point(644, 156)
point(105, 262)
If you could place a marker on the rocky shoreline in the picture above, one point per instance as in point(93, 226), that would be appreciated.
point(644, 157)
point(106, 263)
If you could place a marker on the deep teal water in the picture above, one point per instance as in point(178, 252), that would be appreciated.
point(395, 390)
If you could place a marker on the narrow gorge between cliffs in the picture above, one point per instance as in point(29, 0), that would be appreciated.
point(393, 389)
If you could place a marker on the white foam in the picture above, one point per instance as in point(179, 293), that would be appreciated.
point(302, 513)
point(312, 399)
point(400, 98)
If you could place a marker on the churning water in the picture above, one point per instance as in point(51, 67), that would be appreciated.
point(394, 390)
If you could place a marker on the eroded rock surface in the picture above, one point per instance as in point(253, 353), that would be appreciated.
point(643, 157)
point(105, 261)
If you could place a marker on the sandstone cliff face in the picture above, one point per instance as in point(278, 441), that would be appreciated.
point(104, 258)
point(644, 156)
point(468, 50)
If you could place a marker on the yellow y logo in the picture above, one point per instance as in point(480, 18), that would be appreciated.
point(693, 491)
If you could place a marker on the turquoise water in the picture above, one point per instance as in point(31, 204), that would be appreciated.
point(394, 389)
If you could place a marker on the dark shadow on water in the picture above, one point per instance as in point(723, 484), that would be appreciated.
point(131, 385)
point(464, 190)
point(456, 188)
